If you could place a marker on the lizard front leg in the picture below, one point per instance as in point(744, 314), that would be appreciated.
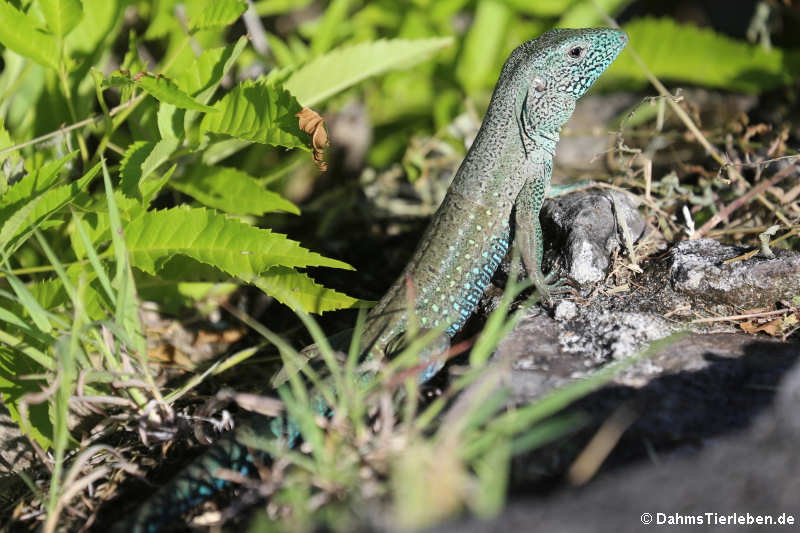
point(528, 233)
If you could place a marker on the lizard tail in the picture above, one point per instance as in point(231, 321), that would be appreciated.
point(198, 481)
point(195, 484)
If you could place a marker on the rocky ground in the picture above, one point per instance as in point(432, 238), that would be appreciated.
point(707, 425)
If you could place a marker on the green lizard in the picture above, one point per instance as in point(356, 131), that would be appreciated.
point(502, 181)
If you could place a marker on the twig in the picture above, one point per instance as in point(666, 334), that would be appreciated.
point(692, 127)
point(744, 199)
point(762, 314)
point(77, 125)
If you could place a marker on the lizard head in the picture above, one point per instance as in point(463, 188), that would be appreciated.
point(550, 73)
point(568, 61)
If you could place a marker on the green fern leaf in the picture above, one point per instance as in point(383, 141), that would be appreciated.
point(334, 72)
point(682, 52)
point(232, 191)
point(217, 14)
point(61, 15)
point(18, 32)
point(297, 290)
point(258, 112)
point(222, 242)
point(142, 159)
point(159, 87)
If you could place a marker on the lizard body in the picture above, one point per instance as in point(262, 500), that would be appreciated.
point(503, 180)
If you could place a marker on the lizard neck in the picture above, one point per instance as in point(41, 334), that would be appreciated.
point(513, 145)
point(540, 144)
point(497, 166)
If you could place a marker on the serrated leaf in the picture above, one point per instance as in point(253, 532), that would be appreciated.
point(36, 182)
point(13, 224)
point(159, 87)
point(334, 72)
point(255, 111)
point(18, 32)
point(209, 69)
point(96, 27)
point(296, 289)
point(179, 268)
point(217, 14)
point(225, 243)
point(61, 15)
point(37, 424)
point(683, 52)
point(142, 159)
point(45, 205)
point(200, 81)
point(232, 191)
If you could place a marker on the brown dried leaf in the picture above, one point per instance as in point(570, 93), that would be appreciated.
point(772, 328)
point(748, 326)
point(312, 123)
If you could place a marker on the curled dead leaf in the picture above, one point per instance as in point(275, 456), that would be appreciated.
point(312, 123)
point(772, 328)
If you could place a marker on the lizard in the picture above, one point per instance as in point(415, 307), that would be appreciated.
point(500, 185)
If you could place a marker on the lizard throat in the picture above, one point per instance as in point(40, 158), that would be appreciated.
point(540, 143)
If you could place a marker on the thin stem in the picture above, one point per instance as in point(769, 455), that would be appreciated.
point(67, 129)
point(62, 76)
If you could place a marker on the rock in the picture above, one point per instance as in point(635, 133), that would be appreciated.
point(755, 473)
point(697, 271)
point(582, 233)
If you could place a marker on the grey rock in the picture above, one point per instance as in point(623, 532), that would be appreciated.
point(582, 232)
point(755, 472)
point(698, 271)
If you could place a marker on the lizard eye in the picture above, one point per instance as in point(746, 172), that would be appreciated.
point(576, 52)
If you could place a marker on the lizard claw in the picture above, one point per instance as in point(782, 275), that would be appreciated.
point(547, 288)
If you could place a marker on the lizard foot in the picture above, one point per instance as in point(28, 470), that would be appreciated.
point(547, 287)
